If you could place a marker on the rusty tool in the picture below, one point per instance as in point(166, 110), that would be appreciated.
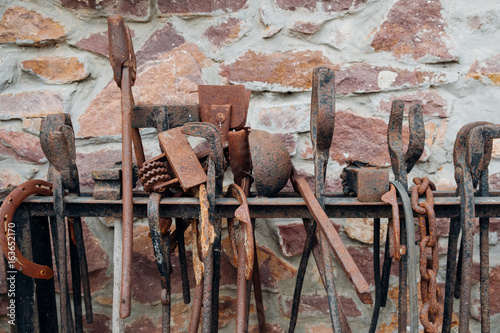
point(480, 146)
point(224, 106)
point(243, 252)
point(322, 125)
point(161, 247)
point(472, 154)
point(241, 167)
point(402, 163)
point(198, 269)
point(215, 173)
point(123, 63)
point(333, 239)
point(58, 143)
point(464, 185)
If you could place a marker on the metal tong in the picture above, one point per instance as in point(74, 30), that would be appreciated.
point(471, 157)
point(322, 125)
point(58, 143)
point(402, 163)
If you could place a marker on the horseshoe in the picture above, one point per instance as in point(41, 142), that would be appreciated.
point(7, 210)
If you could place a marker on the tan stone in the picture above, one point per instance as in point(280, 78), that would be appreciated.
point(496, 149)
point(27, 27)
point(56, 69)
point(361, 229)
point(10, 179)
point(172, 80)
point(32, 104)
point(275, 69)
point(486, 70)
point(292, 71)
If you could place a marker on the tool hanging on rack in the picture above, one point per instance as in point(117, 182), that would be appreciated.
point(402, 163)
point(431, 313)
point(471, 157)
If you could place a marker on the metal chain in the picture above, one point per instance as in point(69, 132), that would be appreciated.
point(431, 313)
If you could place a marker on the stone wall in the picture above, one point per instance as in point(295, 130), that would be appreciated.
point(442, 54)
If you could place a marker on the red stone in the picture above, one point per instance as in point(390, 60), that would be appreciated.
point(350, 307)
point(311, 5)
point(306, 28)
point(359, 138)
point(143, 324)
point(432, 103)
point(199, 7)
point(29, 28)
point(272, 268)
point(22, 145)
point(126, 8)
point(224, 33)
point(96, 160)
point(101, 324)
point(269, 328)
point(291, 239)
point(97, 43)
point(97, 259)
point(421, 35)
point(161, 41)
point(363, 258)
point(31, 104)
point(486, 70)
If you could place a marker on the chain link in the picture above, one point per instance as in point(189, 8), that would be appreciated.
point(431, 314)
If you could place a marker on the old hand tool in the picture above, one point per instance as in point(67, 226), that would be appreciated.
point(241, 167)
point(244, 251)
point(211, 254)
point(122, 59)
point(333, 239)
point(472, 154)
point(189, 173)
point(464, 185)
point(322, 125)
point(161, 247)
point(402, 163)
point(58, 143)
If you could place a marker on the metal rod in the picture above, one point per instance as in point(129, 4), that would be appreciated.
point(447, 205)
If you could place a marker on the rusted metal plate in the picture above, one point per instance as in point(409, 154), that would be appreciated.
point(182, 158)
point(239, 155)
point(368, 184)
point(236, 96)
point(322, 107)
point(221, 118)
point(164, 117)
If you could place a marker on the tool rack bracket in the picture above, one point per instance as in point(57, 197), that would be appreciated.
point(289, 206)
